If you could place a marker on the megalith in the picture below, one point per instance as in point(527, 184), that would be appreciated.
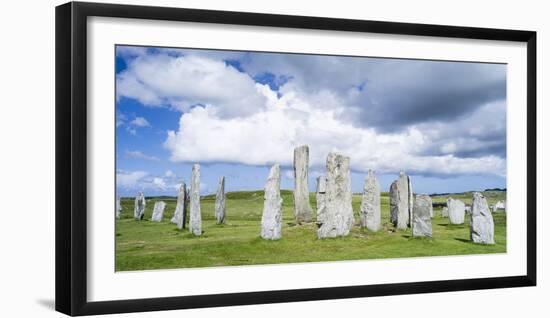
point(422, 221)
point(195, 220)
point(272, 215)
point(158, 211)
point(139, 206)
point(481, 224)
point(339, 212)
point(302, 207)
point(456, 209)
point(219, 206)
point(370, 203)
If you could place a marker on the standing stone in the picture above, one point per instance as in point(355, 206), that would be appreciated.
point(220, 202)
point(422, 221)
point(445, 212)
point(431, 210)
point(195, 221)
point(118, 208)
point(302, 208)
point(468, 209)
point(370, 203)
point(456, 211)
point(399, 201)
point(272, 215)
point(320, 198)
point(158, 211)
point(180, 214)
point(411, 199)
point(339, 212)
point(500, 205)
point(481, 224)
point(139, 206)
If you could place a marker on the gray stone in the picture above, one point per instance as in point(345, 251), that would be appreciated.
point(272, 215)
point(481, 225)
point(431, 211)
point(500, 205)
point(339, 212)
point(158, 211)
point(220, 202)
point(468, 209)
point(195, 220)
point(370, 203)
point(399, 201)
point(445, 212)
point(320, 198)
point(411, 199)
point(139, 206)
point(302, 207)
point(180, 214)
point(422, 220)
point(456, 211)
point(118, 208)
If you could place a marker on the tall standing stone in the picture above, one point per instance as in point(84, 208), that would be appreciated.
point(158, 211)
point(370, 203)
point(139, 206)
point(195, 221)
point(399, 201)
point(422, 221)
point(457, 209)
point(272, 215)
point(220, 202)
point(118, 207)
point(320, 198)
point(339, 212)
point(481, 225)
point(180, 214)
point(411, 199)
point(302, 207)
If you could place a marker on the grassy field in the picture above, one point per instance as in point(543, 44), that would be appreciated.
point(144, 244)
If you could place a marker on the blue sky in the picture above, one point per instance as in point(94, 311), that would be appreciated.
point(237, 113)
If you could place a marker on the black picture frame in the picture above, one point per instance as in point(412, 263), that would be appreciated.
point(71, 157)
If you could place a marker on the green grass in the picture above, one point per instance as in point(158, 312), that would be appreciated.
point(144, 244)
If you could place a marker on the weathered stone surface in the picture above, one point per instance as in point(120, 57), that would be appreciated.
point(411, 199)
point(180, 214)
point(139, 206)
point(339, 212)
point(456, 211)
point(468, 209)
point(370, 203)
point(431, 211)
point(399, 201)
point(445, 212)
point(481, 224)
point(320, 198)
point(220, 202)
point(118, 208)
point(302, 207)
point(158, 211)
point(272, 215)
point(195, 220)
point(422, 220)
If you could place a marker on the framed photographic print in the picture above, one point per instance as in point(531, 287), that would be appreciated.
point(211, 158)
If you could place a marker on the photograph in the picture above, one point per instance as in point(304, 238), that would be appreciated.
point(238, 158)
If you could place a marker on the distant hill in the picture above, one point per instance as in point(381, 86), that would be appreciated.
point(496, 189)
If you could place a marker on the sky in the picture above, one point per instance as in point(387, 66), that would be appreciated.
point(236, 113)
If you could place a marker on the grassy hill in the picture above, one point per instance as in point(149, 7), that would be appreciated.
point(144, 244)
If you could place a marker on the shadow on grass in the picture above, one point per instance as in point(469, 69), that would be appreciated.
point(463, 240)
